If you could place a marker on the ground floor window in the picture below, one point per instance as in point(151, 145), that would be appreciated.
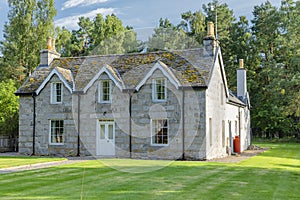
point(56, 131)
point(160, 135)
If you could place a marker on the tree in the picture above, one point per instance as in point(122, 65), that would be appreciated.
point(276, 85)
point(224, 26)
point(24, 35)
point(9, 107)
point(169, 37)
point(63, 41)
point(225, 18)
point(193, 24)
point(130, 43)
point(99, 36)
point(238, 48)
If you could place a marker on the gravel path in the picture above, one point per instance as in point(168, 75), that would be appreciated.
point(238, 157)
point(37, 166)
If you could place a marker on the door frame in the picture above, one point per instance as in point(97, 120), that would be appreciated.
point(98, 145)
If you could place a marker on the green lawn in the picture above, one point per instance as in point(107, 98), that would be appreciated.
point(274, 174)
point(13, 161)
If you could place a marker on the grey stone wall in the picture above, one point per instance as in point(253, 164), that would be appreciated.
point(143, 110)
point(45, 111)
point(195, 124)
point(25, 124)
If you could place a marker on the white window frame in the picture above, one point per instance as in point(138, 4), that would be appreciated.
point(53, 95)
point(153, 133)
point(100, 91)
point(154, 90)
point(50, 132)
point(210, 132)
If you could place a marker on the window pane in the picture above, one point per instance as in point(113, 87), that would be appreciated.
point(105, 90)
point(159, 89)
point(57, 131)
point(110, 132)
point(56, 92)
point(102, 131)
point(160, 131)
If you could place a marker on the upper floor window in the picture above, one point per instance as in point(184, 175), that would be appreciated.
point(105, 91)
point(56, 93)
point(159, 91)
point(56, 132)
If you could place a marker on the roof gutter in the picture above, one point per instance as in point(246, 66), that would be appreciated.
point(24, 93)
point(236, 104)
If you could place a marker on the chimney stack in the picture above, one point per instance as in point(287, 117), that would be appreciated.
point(241, 80)
point(209, 41)
point(47, 55)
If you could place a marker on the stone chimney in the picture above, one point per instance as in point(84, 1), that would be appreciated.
point(241, 80)
point(47, 55)
point(209, 41)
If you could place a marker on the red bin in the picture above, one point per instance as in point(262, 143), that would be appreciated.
point(236, 144)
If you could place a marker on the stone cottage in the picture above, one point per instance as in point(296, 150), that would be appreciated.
point(158, 105)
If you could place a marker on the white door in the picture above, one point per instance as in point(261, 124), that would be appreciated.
point(106, 138)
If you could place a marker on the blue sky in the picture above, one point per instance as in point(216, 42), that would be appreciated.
point(143, 15)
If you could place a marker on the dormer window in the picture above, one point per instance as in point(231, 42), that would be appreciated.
point(159, 91)
point(56, 93)
point(105, 91)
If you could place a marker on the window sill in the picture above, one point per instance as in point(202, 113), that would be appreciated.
point(57, 103)
point(159, 145)
point(159, 101)
point(56, 144)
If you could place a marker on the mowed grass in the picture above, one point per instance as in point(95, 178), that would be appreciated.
point(14, 161)
point(274, 174)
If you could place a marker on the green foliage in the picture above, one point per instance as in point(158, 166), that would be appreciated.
point(9, 107)
point(193, 24)
point(63, 41)
point(275, 89)
point(170, 37)
point(98, 36)
point(30, 23)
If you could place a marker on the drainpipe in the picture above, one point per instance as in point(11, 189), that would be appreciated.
point(78, 126)
point(240, 127)
point(183, 127)
point(34, 120)
point(130, 126)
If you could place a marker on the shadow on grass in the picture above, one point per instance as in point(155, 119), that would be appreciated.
point(180, 180)
point(290, 166)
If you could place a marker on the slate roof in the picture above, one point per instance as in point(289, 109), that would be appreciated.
point(234, 99)
point(191, 67)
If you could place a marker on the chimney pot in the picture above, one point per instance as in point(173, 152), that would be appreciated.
point(47, 55)
point(241, 61)
point(209, 42)
point(49, 43)
point(53, 44)
point(210, 30)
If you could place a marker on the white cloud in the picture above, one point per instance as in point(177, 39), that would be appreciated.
point(74, 3)
point(71, 22)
